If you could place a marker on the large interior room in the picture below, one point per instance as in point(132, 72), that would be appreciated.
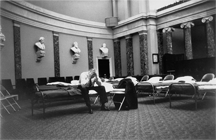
point(107, 69)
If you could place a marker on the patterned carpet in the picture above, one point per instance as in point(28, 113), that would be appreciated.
point(70, 120)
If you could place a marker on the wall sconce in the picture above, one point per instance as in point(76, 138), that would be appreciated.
point(155, 58)
point(104, 51)
point(40, 49)
point(75, 50)
point(2, 38)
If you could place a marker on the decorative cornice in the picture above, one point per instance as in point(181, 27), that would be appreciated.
point(47, 13)
point(176, 16)
point(180, 7)
point(207, 19)
point(29, 14)
point(130, 28)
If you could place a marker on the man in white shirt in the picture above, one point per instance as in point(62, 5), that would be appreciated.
point(87, 81)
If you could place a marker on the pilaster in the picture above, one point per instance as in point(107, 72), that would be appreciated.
point(168, 32)
point(117, 57)
point(56, 54)
point(17, 50)
point(210, 36)
point(143, 52)
point(90, 53)
point(187, 35)
point(129, 51)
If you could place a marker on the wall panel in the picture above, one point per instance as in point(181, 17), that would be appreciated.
point(31, 68)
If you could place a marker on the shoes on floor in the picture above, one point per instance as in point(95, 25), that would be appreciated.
point(90, 111)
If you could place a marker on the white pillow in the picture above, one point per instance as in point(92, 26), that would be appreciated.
point(75, 82)
point(213, 81)
point(185, 79)
point(154, 79)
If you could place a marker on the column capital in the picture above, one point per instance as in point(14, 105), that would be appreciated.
point(207, 19)
point(168, 29)
point(55, 34)
point(116, 40)
point(15, 23)
point(89, 38)
point(187, 25)
point(142, 33)
point(128, 37)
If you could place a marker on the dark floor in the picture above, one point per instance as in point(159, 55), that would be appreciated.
point(70, 120)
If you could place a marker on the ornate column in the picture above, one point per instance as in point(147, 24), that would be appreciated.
point(143, 52)
point(160, 49)
point(56, 54)
point(210, 36)
point(90, 53)
point(129, 52)
point(188, 43)
point(17, 51)
point(168, 31)
point(117, 57)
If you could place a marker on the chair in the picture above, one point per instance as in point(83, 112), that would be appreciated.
point(21, 87)
point(124, 96)
point(76, 77)
point(8, 100)
point(68, 79)
point(52, 79)
point(42, 81)
point(145, 78)
point(30, 87)
point(8, 85)
point(93, 93)
point(60, 79)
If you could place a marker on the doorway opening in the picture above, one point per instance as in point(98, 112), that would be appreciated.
point(104, 67)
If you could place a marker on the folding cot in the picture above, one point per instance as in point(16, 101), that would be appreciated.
point(154, 85)
point(206, 84)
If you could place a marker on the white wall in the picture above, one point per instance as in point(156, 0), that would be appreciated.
point(93, 10)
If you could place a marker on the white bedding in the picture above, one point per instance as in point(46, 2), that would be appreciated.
point(108, 86)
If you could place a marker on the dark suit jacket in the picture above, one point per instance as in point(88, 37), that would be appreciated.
point(130, 94)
